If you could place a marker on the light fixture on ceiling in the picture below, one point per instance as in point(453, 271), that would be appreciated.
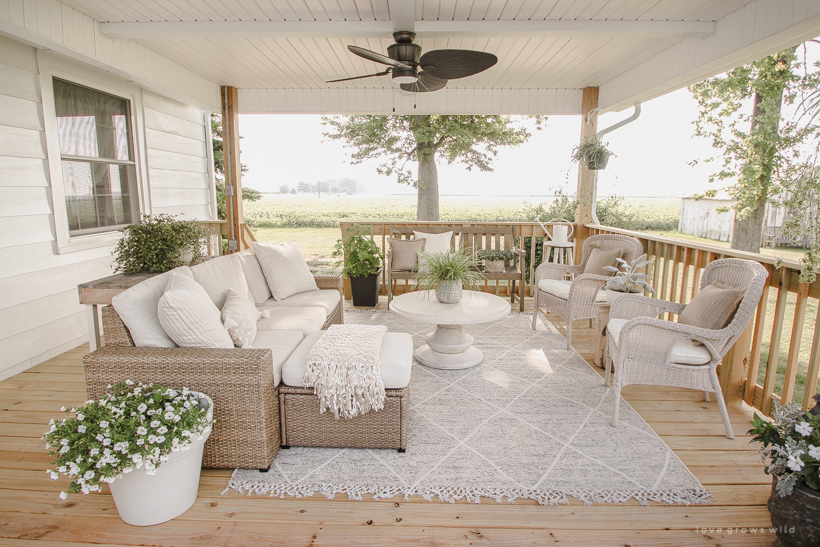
point(405, 75)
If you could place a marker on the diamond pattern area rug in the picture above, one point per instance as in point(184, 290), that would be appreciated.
point(531, 421)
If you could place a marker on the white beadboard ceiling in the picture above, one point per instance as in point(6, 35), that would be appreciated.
point(278, 48)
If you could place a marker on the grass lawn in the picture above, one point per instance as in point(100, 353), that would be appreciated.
point(315, 243)
point(786, 253)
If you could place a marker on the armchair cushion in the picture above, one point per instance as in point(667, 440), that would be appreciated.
point(560, 288)
point(598, 258)
point(189, 317)
point(713, 307)
point(404, 253)
point(285, 269)
point(682, 352)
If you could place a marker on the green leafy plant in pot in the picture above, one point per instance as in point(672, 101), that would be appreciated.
point(592, 153)
point(159, 243)
point(448, 273)
point(362, 264)
point(791, 444)
point(628, 278)
point(495, 259)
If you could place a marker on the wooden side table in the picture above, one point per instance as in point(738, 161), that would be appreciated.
point(99, 293)
point(600, 324)
point(564, 252)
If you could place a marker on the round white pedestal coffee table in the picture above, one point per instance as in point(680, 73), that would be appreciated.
point(449, 347)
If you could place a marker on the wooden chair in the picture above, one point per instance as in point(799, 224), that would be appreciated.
point(474, 238)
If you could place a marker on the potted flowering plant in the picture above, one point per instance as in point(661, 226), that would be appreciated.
point(791, 444)
point(145, 441)
point(627, 278)
point(495, 259)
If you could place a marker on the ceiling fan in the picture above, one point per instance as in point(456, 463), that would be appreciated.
point(422, 73)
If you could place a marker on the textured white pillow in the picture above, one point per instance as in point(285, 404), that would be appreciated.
point(285, 269)
point(435, 243)
point(239, 315)
point(218, 275)
point(137, 307)
point(257, 284)
point(188, 316)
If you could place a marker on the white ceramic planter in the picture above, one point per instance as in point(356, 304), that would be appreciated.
point(449, 292)
point(494, 265)
point(612, 296)
point(145, 500)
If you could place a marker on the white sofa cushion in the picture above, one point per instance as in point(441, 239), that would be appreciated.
point(218, 275)
point(683, 352)
point(285, 269)
point(396, 360)
point(257, 285)
point(304, 320)
point(560, 288)
point(281, 343)
point(326, 298)
point(137, 307)
point(189, 317)
point(239, 315)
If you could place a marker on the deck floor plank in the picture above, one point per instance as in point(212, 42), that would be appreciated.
point(33, 514)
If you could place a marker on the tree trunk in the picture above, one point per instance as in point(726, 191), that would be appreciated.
point(427, 208)
point(747, 234)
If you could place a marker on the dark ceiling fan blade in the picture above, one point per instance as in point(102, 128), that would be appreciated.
point(451, 64)
point(377, 57)
point(425, 83)
point(360, 77)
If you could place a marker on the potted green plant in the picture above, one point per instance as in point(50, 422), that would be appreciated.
point(362, 264)
point(159, 243)
point(449, 273)
point(145, 441)
point(791, 444)
point(592, 153)
point(495, 259)
point(627, 278)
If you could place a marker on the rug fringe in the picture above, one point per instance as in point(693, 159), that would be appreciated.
point(451, 495)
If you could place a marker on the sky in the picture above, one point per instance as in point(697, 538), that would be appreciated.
point(652, 156)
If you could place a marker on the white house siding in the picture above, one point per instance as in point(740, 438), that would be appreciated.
point(701, 218)
point(179, 161)
point(40, 313)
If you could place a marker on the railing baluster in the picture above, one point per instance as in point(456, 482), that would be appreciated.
point(814, 365)
point(774, 343)
point(794, 345)
point(757, 342)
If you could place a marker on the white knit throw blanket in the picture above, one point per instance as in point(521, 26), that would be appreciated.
point(344, 369)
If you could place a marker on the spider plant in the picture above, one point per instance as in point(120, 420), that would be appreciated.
point(460, 265)
point(627, 277)
point(592, 153)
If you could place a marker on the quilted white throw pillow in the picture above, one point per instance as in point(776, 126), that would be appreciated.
point(285, 269)
point(239, 315)
point(189, 317)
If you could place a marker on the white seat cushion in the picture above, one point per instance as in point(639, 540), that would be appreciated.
point(218, 275)
point(325, 298)
point(188, 316)
point(137, 307)
point(257, 285)
point(683, 352)
point(396, 360)
point(281, 343)
point(560, 288)
point(304, 320)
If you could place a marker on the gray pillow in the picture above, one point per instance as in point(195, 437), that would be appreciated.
point(598, 258)
point(713, 307)
point(404, 253)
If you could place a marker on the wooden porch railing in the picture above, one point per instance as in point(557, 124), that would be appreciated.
point(528, 232)
point(753, 371)
point(219, 228)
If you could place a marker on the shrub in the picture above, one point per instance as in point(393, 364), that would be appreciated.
point(156, 244)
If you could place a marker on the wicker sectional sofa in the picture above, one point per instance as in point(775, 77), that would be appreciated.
point(242, 382)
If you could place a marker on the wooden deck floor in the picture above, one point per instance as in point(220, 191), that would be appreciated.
point(31, 512)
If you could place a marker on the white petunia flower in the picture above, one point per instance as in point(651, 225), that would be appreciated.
point(89, 474)
point(142, 430)
point(54, 475)
point(169, 416)
point(814, 452)
point(129, 382)
point(64, 449)
point(63, 495)
point(63, 442)
point(162, 430)
point(81, 429)
point(103, 424)
point(152, 439)
point(795, 463)
point(62, 469)
point(160, 439)
point(62, 409)
point(177, 418)
point(80, 416)
point(106, 441)
point(804, 429)
point(94, 451)
point(143, 407)
point(140, 442)
point(155, 424)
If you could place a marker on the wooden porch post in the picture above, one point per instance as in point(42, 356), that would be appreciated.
point(233, 169)
point(587, 180)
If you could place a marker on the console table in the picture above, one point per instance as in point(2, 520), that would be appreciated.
point(99, 293)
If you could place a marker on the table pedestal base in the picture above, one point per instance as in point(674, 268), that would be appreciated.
point(449, 347)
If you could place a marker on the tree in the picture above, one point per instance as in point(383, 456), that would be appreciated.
point(758, 146)
point(284, 189)
point(397, 140)
point(248, 194)
point(304, 188)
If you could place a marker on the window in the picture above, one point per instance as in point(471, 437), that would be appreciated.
point(97, 158)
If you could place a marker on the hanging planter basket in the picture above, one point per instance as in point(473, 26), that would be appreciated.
point(598, 160)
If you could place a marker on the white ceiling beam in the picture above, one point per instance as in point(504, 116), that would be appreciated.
point(158, 30)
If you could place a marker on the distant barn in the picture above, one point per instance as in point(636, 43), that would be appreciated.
point(700, 217)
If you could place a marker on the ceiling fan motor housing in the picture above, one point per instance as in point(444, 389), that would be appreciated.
point(406, 52)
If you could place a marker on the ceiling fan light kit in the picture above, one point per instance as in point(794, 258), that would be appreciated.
point(419, 73)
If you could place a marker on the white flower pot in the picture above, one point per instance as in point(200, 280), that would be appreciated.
point(448, 292)
point(612, 296)
point(494, 265)
point(145, 500)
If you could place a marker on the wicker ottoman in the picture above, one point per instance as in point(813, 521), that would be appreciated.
point(303, 425)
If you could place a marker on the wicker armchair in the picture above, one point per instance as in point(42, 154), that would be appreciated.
point(582, 301)
point(646, 350)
